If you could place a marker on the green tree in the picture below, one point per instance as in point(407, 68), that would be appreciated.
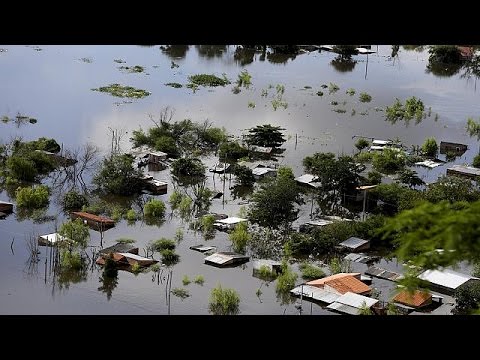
point(154, 208)
point(240, 237)
point(396, 197)
point(21, 168)
point(273, 205)
point(188, 167)
point(77, 231)
point(243, 175)
point(365, 310)
point(265, 135)
point(430, 147)
point(362, 144)
point(73, 200)
point(118, 176)
point(467, 298)
point(231, 151)
point(346, 51)
point(453, 189)
point(410, 178)
point(168, 145)
point(32, 197)
point(374, 177)
point(476, 161)
point(224, 301)
point(285, 172)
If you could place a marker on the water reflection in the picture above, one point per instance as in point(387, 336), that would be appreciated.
point(342, 64)
point(109, 283)
point(211, 51)
point(175, 51)
point(443, 70)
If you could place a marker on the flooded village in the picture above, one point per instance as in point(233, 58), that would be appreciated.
point(241, 179)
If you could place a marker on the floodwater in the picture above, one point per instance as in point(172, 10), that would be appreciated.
point(53, 84)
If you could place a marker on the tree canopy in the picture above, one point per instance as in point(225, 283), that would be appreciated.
point(265, 135)
point(118, 176)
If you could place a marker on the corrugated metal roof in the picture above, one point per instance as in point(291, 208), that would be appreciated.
point(465, 169)
point(321, 282)
point(356, 300)
point(223, 258)
point(53, 238)
point(428, 163)
point(353, 257)
point(348, 284)
point(446, 278)
point(415, 299)
point(312, 292)
point(306, 178)
point(354, 242)
point(343, 308)
point(321, 222)
point(231, 220)
point(202, 248)
point(259, 171)
point(381, 142)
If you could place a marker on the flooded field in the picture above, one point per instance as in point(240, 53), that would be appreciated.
point(53, 85)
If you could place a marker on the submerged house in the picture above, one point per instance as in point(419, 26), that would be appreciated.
point(308, 180)
point(127, 260)
point(446, 281)
point(6, 207)
point(351, 303)
point(226, 259)
point(415, 300)
point(220, 168)
point(52, 239)
point(456, 148)
point(228, 223)
point(95, 222)
point(342, 283)
point(144, 155)
point(120, 248)
point(355, 244)
point(468, 172)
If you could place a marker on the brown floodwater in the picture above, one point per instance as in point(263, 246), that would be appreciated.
point(54, 86)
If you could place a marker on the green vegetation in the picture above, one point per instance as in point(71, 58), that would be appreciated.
point(333, 88)
point(251, 104)
point(338, 265)
point(117, 175)
point(32, 197)
point(374, 178)
point(413, 108)
point(70, 260)
point(169, 257)
point(19, 119)
point(181, 293)
point(175, 199)
point(224, 301)
point(365, 310)
point(362, 144)
point(178, 235)
point(319, 93)
point(473, 128)
point(132, 69)
point(77, 231)
point(174, 85)
point(365, 98)
point(136, 268)
point(125, 241)
point(452, 189)
point(207, 223)
point(389, 161)
point(396, 197)
point(208, 80)
point(467, 298)
point(240, 237)
point(444, 54)
point(273, 204)
point(334, 102)
point(231, 151)
point(311, 272)
point(188, 167)
point(73, 200)
point(286, 280)
point(131, 215)
point(154, 208)
point(265, 135)
point(243, 175)
point(244, 79)
point(266, 274)
point(199, 280)
point(186, 280)
point(430, 147)
point(162, 244)
point(123, 91)
point(476, 161)
point(350, 92)
point(276, 103)
point(410, 178)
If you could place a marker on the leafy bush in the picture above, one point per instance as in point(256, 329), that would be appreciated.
point(118, 176)
point(430, 147)
point(207, 223)
point(162, 244)
point(131, 215)
point(199, 279)
point(243, 175)
point(175, 199)
point(181, 293)
point(125, 241)
point(169, 257)
point(77, 231)
point(374, 177)
point(362, 144)
point(476, 161)
point(311, 272)
point(388, 161)
point(32, 197)
point(186, 280)
point(154, 208)
point(240, 237)
point(231, 151)
point(365, 98)
point(74, 200)
point(188, 167)
point(208, 80)
point(224, 301)
point(286, 280)
point(70, 260)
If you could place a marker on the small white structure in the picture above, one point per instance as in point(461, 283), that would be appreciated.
point(315, 293)
point(226, 259)
point(51, 239)
point(203, 248)
point(355, 244)
point(308, 179)
point(364, 51)
point(446, 280)
point(219, 168)
point(350, 303)
point(272, 265)
point(228, 223)
point(428, 163)
point(261, 172)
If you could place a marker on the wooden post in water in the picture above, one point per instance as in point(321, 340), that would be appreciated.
point(296, 140)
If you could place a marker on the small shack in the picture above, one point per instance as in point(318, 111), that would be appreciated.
point(99, 223)
point(203, 248)
point(274, 267)
point(308, 180)
point(446, 281)
point(120, 248)
point(157, 187)
point(361, 258)
point(151, 156)
point(6, 207)
point(263, 172)
point(127, 260)
point(416, 299)
point(223, 259)
point(228, 223)
point(450, 147)
point(468, 172)
point(355, 244)
point(342, 283)
point(52, 239)
point(350, 303)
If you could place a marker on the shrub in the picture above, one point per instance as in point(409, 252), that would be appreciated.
point(199, 279)
point(207, 223)
point(311, 272)
point(224, 301)
point(362, 144)
point(162, 244)
point(240, 237)
point(364, 97)
point(77, 231)
point(70, 260)
point(388, 161)
point(188, 167)
point(131, 215)
point(181, 293)
point(169, 257)
point(186, 280)
point(125, 241)
point(430, 147)
point(32, 197)
point(74, 200)
point(476, 161)
point(175, 199)
point(286, 280)
point(154, 208)
point(374, 177)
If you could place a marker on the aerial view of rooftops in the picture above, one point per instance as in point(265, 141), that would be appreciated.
point(239, 180)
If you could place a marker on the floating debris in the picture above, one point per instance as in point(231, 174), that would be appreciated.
point(123, 91)
point(19, 120)
point(86, 60)
point(132, 69)
point(120, 61)
point(174, 85)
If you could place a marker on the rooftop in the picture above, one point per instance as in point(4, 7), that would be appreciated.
point(348, 284)
point(321, 282)
point(354, 242)
point(446, 278)
point(415, 299)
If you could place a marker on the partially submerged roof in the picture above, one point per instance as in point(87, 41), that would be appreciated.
point(315, 293)
point(226, 258)
point(364, 51)
point(470, 170)
point(354, 242)
point(202, 248)
point(95, 218)
point(321, 222)
point(270, 264)
point(259, 171)
point(120, 248)
point(360, 258)
point(416, 298)
point(428, 163)
point(321, 282)
point(350, 303)
point(348, 284)
point(51, 239)
point(446, 278)
point(231, 220)
point(308, 179)
point(383, 274)
point(381, 142)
